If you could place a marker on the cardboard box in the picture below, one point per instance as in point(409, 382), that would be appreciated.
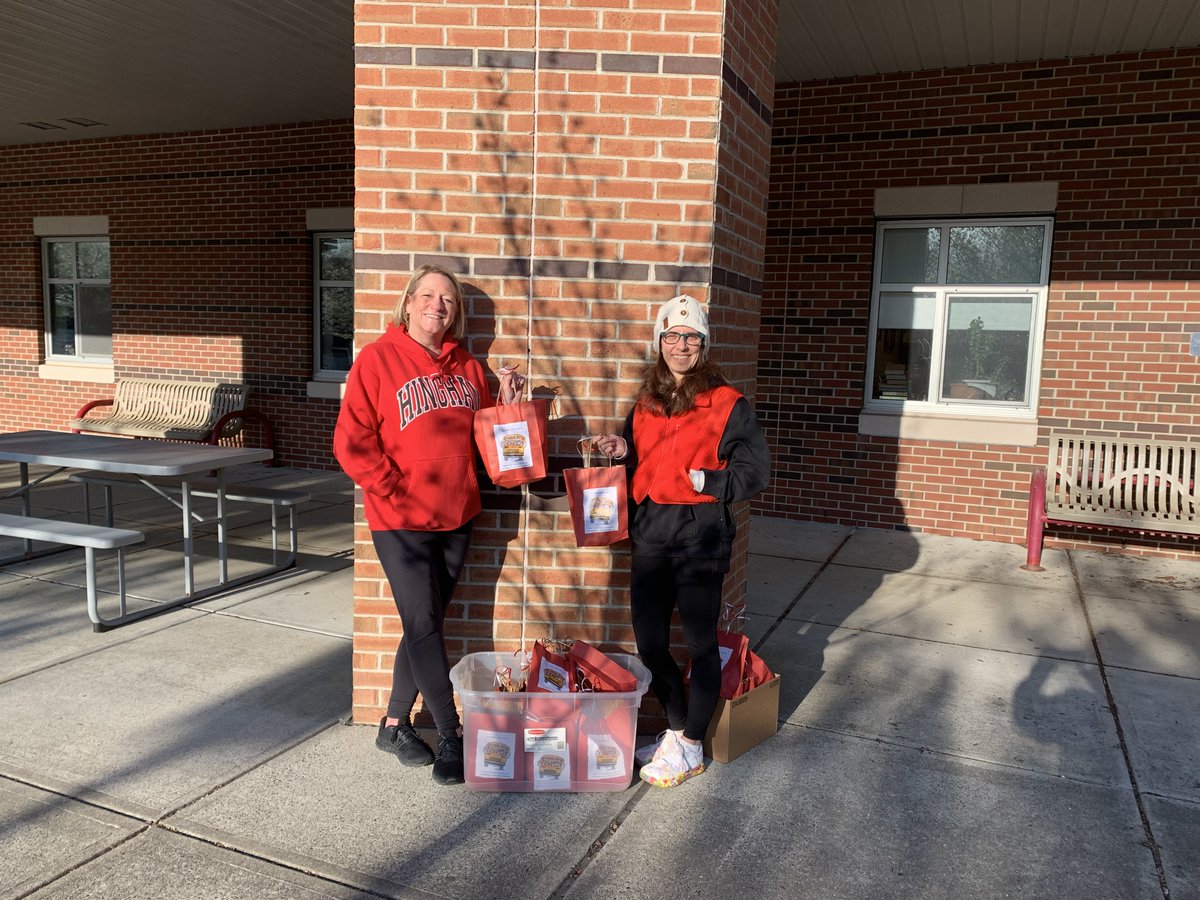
point(743, 722)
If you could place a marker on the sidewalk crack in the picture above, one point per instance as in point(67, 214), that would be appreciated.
point(598, 844)
point(1149, 843)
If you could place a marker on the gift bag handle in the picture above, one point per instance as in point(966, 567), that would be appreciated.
point(525, 392)
point(586, 449)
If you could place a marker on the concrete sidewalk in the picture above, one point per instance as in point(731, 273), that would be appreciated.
point(951, 726)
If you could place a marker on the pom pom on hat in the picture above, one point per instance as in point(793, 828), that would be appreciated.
point(681, 310)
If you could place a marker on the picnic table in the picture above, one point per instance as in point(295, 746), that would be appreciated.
point(175, 471)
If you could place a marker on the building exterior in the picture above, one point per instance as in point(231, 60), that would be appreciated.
point(578, 166)
point(201, 268)
point(915, 275)
point(1103, 152)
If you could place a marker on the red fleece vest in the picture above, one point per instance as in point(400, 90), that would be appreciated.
point(667, 447)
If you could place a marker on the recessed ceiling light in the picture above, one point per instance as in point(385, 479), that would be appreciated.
point(86, 123)
point(44, 126)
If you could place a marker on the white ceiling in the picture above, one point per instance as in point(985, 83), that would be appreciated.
point(145, 66)
point(822, 39)
point(150, 66)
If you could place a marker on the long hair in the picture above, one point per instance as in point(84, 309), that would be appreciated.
point(663, 395)
point(458, 325)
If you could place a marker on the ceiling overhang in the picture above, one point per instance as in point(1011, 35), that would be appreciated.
point(75, 70)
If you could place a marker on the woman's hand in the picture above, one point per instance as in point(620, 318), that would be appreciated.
point(511, 384)
point(611, 445)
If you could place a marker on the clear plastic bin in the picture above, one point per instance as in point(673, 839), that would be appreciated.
point(545, 742)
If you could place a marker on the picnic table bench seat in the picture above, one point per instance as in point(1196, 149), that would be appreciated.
point(275, 498)
point(1112, 484)
point(172, 410)
point(79, 534)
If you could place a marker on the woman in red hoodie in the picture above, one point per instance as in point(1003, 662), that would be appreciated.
point(404, 435)
point(692, 447)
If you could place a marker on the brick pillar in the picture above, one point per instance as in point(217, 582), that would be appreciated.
point(576, 165)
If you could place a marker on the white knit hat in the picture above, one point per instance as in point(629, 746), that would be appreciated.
point(681, 310)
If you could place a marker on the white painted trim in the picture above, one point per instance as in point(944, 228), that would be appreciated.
point(1007, 199)
point(327, 390)
point(1009, 432)
point(943, 200)
point(69, 226)
point(332, 218)
point(967, 200)
point(93, 373)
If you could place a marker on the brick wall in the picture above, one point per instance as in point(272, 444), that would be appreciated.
point(211, 265)
point(562, 157)
point(740, 215)
point(1118, 134)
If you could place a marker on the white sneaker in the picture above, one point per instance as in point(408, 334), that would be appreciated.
point(674, 765)
point(650, 752)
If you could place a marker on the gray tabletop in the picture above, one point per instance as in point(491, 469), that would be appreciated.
point(100, 453)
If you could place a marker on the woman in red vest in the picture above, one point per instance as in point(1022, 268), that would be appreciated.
point(692, 446)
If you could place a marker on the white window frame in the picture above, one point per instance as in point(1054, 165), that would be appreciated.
point(943, 293)
point(47, 301)
point(320, 373)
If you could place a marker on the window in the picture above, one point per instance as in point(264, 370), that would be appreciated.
point(333, 302)
point(956, 315)
point(78, 298)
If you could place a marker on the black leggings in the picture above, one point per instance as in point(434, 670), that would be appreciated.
point(422, 568)
point(658, 586)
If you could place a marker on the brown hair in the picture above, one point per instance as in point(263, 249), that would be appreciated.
point(663, 395)
point(458, 324)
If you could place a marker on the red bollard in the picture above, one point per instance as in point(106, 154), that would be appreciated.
point(1035, 522)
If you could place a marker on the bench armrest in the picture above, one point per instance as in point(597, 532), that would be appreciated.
point(90, 405)
point(246, 415)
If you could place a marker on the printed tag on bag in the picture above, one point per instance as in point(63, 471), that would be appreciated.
point(553, 678)
point(512, 445)
point(552, 770)
point(540, 739)
point(495, 753)
point(604, 757)
point(600, 504)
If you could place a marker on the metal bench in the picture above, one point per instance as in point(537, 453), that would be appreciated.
point(1098, 482)
point(174, 411)
point(170, 491)
point(91, 538)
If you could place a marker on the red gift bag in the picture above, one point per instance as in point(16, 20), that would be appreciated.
point(755, 674)
point(511, 438)
point(548, 729)
point(741, 669)
point(495, 751)
point(550, 670)
point(548, 745)
point(603, 751)
point(598, 501)
point(597, 671)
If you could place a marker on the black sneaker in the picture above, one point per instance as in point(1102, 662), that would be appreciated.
point(448, 764)
point(403, 741)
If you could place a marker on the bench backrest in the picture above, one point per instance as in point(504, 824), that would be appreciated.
point(183, 403)
point(1148, 483)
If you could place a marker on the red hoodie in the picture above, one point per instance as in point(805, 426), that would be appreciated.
point(404, 432)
